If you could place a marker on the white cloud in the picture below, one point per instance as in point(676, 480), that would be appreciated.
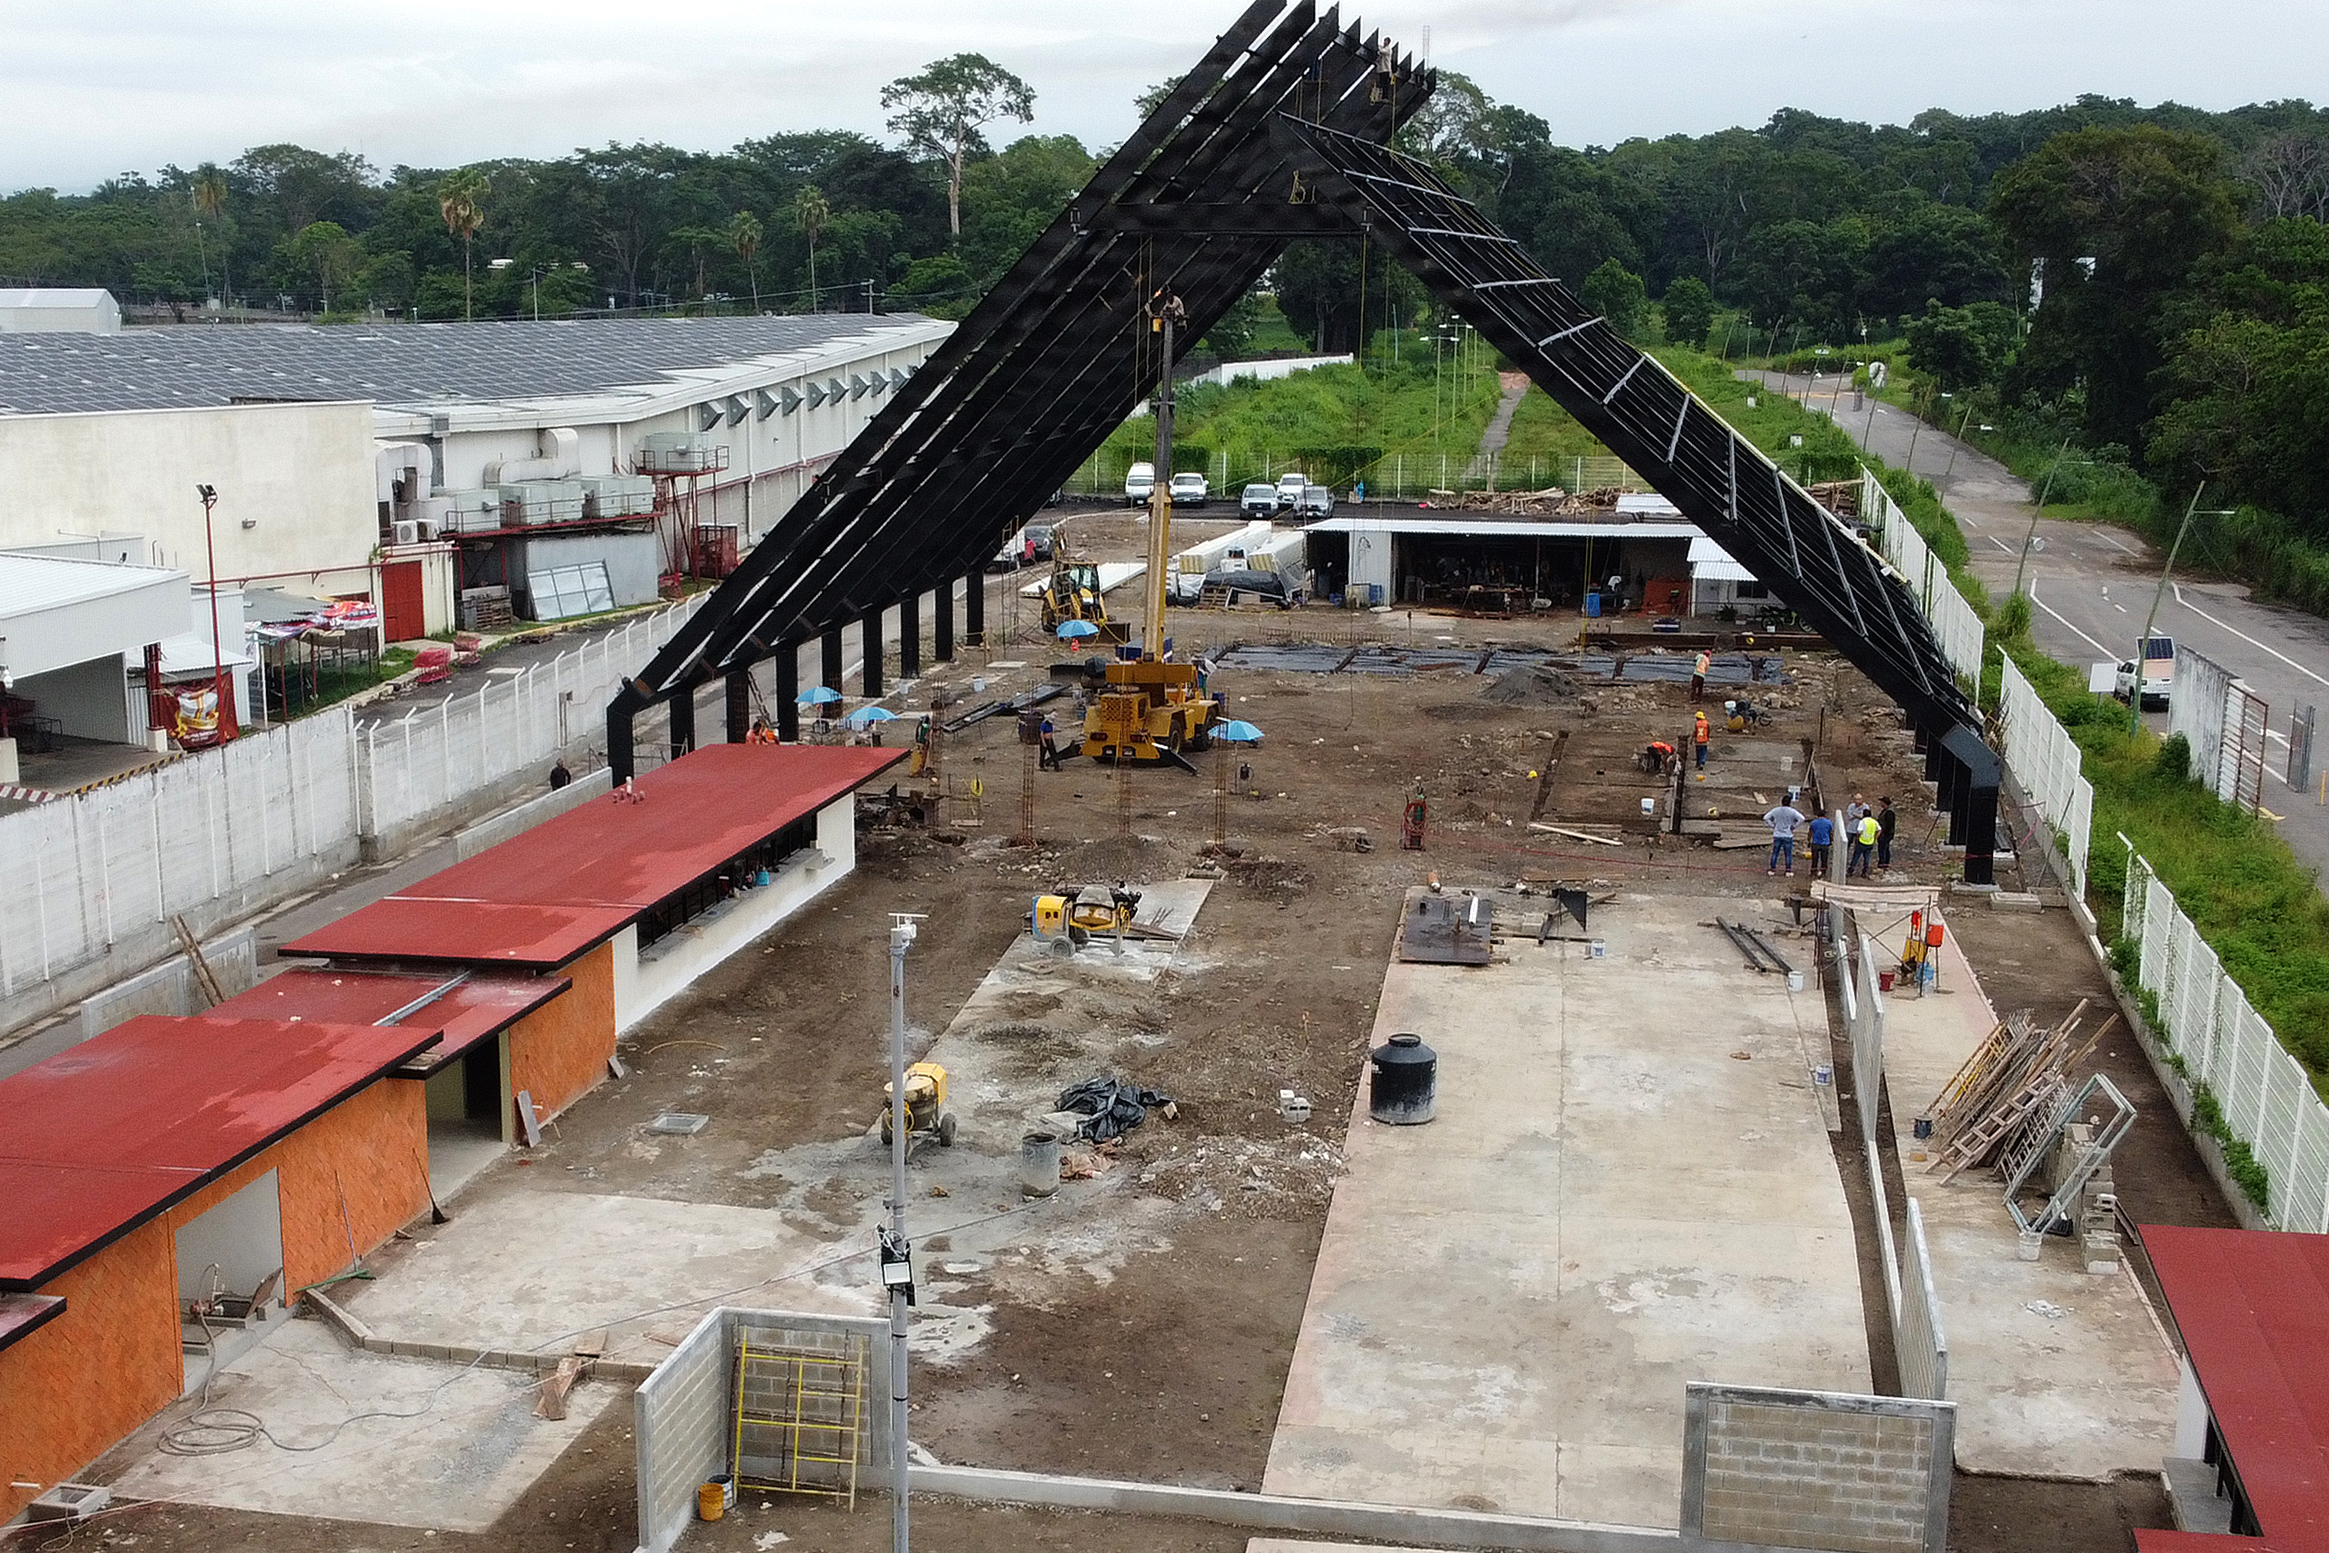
point(137, 84)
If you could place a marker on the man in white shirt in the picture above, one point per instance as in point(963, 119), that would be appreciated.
point(1783, 819)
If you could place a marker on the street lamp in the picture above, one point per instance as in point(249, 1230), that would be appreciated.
point(2135, 691)
point(209, 495)
point(897, 1256)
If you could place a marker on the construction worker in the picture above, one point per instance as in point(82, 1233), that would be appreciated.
point(1783, 817)
point(1698, 672)
point(1864, 835)
point(1887, 822)
point(1658, 759)
point(1823, 836)
point(1047, 756)
point(1701, 731)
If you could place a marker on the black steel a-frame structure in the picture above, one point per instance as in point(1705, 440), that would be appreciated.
point(1283, 130)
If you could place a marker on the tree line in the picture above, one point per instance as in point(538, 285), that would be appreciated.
point(2147, 282)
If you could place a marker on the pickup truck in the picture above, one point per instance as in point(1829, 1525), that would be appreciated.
point(2158, 673)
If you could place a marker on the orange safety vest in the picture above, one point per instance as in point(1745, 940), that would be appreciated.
point(1703, 730)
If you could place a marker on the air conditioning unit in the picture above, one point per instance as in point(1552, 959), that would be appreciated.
point(424, 529)
point(408, 531)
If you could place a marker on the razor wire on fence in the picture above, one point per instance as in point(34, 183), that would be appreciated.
point(231, 831)
point(2045, 761)
point(2265, 1096)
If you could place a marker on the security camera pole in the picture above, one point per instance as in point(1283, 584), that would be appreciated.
point(897, 1264)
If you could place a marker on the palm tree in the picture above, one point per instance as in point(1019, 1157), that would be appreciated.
point(210, 200)
point(810, 209)
point(461, 197)
point(744, 232)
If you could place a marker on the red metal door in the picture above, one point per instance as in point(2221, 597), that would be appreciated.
point(402, 611)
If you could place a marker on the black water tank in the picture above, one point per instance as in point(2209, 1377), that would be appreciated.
point(1402, 1080)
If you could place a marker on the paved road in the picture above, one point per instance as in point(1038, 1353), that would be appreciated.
point(2092, 585)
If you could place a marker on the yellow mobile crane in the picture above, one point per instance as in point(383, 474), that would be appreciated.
point(1151, 708)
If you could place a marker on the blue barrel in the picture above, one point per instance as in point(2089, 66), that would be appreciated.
point(1593, 604)
point(1402, 1081)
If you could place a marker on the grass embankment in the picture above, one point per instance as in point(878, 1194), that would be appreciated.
point(1402, 427)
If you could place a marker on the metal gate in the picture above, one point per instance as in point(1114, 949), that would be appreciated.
point(2243, 781)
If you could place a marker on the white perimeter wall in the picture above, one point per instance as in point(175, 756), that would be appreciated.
point(646, 980)
point(303, 472)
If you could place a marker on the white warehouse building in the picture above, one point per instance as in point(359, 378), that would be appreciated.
point(382, 461)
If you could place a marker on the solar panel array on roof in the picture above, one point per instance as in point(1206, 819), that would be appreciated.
point(194, 365)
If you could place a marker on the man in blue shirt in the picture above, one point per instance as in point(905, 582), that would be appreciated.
point(1823, 836)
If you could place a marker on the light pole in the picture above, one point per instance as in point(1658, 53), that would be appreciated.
point(209, 495)
point(1962, 422)
point(2135, 691)
point(897, 1256)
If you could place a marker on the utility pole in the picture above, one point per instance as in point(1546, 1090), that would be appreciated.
point(209, 495)
point(1169, 313)
point(2039, 510)
point(2135, 693)
point(897, 1262)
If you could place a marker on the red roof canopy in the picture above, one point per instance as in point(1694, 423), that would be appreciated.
point(2253, 1307)
point(463, 1007)
point(561, 888)
point(104, 1135)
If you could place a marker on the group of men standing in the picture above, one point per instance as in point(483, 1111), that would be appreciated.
point(1868, 831)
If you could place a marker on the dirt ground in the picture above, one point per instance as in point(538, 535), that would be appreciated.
point(1166, 1361)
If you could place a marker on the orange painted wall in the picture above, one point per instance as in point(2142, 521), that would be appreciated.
point(70, 1390)
point(560, 1050)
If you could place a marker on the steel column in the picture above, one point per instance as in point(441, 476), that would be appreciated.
point(833, 659)
point(974, 609)
point(909, 637)
point(788, 692)
point(942, 638)
point(682, 720)
point(739, 683)
point(869, 639)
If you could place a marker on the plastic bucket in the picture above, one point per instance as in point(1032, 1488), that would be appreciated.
point(712, 1499)
point(1884, 981)
point(1039, 1164)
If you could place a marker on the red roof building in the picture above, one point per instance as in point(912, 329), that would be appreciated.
point(2252, 1433)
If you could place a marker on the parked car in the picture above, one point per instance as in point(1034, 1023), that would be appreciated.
point(1039, 537)
point(1012, 556)
point(1259, 501)
point(1290, 489)
point(1315, 502)
point(1190, 490)
point(2158, 673)
point(1139, 484)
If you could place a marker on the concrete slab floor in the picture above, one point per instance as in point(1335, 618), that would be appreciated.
point(1509, 1300)
point(532, 1270)
point(2056, 1372)
point(472, 1446)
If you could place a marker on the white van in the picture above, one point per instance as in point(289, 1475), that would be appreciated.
point(1139, 484)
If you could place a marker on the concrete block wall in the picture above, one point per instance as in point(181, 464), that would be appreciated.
point(169, 987)
point(1808, 1469)
point(685, 1412)
point(1918, 1337)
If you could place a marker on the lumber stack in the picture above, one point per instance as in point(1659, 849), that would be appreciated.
point(2015, 1079)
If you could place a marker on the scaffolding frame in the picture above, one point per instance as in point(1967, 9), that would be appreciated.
point(812, 1423)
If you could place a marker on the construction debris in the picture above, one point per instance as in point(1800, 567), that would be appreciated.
point(2019, 1071)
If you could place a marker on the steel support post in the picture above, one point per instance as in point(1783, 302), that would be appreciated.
point(942, 628)
point(869, 638)
point(739, 686)
point(682, 720)
point(788, 692)
point(974, 610)
point(833, 659)
point(909, 637)
point(620, 756)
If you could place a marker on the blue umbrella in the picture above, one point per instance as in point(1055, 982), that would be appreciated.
point(871, 714)
point(819, 696)
point(1237, 731)
point(1069, 630)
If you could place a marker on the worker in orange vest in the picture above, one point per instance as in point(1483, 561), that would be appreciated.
point(1700, 733)
point(1698, 673)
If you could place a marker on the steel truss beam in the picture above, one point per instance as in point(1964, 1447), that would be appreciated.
point(1281, 131)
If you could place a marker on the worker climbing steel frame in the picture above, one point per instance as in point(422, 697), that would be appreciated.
point(1280, 132)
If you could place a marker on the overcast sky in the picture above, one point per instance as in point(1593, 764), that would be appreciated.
point(95, 87)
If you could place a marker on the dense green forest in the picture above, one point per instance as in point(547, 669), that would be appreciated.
point(2149, 284)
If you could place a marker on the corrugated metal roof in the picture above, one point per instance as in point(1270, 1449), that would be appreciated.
point(54, 296)
point(1484, 526)
point(106, 1134)
point(2253, 1308)
point(409, 365)
point(567, 885)
point(29, 583)
point(1710, 562)
point(462, 1007)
